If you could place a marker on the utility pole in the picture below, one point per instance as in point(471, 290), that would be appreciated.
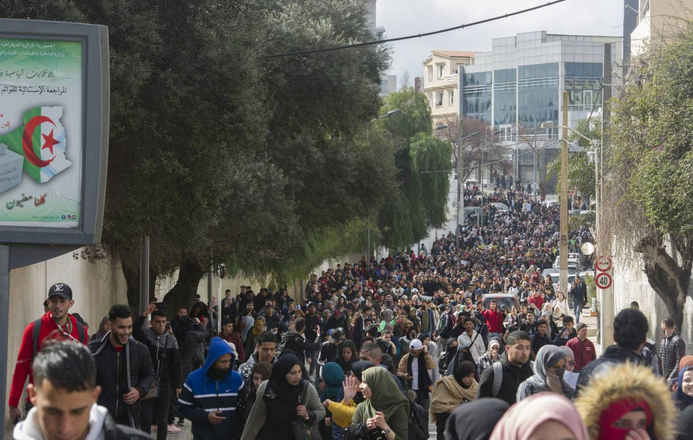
point(606, 300)
point(460, 194)
point(563, 275)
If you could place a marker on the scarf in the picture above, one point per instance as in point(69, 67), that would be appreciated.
point(615, 412)
point(386, 396)
point(278, 385)
point(449, 392)
point(332, 376)
point(357, 368)
point(475, 420)
point(543, 378)
point(424, 379)
point(256, 327)
point(462, 370)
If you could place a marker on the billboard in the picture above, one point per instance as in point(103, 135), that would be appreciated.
point(41, 96)
point(54, 98)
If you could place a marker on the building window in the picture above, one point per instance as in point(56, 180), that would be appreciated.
point(440, 70)
point(451, 94)
point(430, 73)
point(439, 99)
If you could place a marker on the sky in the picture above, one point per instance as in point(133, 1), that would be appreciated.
point(407, 17)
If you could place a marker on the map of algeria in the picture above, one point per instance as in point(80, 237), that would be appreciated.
point(41, 142)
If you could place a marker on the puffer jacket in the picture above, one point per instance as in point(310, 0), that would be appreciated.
point(116, 373)
point(201, 394)
point(672, 349)
point(164, 352)
point(627, 381)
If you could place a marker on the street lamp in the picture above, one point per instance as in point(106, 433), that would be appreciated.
point(368, 140)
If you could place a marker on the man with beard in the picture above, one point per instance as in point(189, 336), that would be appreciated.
point(504, 378)
point(211, 393)
point(123, 368)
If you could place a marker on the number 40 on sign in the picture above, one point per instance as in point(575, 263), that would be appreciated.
point(603, 280)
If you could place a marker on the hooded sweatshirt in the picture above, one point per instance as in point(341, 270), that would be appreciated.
point(201, 395)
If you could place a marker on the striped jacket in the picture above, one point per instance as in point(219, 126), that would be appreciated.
point(201, 395)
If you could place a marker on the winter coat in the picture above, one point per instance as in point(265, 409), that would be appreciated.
point(202, 394)
point(627, 381)
point(613, 356)
point(672, 349)
point(164, 352)
point(296, 342)
point(117, 373)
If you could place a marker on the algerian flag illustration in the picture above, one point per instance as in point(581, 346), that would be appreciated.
point(41, 141)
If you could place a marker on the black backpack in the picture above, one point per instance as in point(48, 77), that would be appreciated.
point(37, 332)
point(418, 423)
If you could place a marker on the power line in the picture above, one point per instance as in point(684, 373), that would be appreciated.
point(409, 37)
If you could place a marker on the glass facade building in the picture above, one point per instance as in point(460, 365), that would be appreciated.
point(477, 95)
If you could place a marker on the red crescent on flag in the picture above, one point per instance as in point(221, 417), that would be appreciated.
point(27, 144)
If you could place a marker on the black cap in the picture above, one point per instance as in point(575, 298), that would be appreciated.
point(60, 289)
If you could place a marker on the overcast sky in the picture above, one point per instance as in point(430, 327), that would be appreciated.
point(406, 17)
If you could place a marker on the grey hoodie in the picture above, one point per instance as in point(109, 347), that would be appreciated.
point(29, 429)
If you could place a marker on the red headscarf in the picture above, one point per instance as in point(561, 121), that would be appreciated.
point(615, 412)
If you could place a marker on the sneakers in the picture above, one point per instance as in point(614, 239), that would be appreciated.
point(173, 428)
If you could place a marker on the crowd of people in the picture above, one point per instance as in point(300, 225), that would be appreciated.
point(471, 338)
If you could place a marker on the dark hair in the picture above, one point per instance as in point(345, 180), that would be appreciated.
point(159, 313)
point(542, 322)
point(226, 321)
point(519, 335)
point(635, 305)
point(468, 319)
point(567, 319)
point(266, 337)
point(669, 322)
point(300, 324)
point(119, 311)
point(373, 348)
point(630, 329)
point(68, 365)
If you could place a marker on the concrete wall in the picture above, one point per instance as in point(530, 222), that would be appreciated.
point(630, 284)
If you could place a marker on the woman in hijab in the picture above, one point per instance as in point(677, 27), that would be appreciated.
point(451, 392)
point(260, 372)
point(548, 374)
point(251, 338)
point(627, 403)
point(104, 328)
point(285, 398)
point(344, 407)
point(333, 377)
point(475, 420)
point(449, 355)
point(546, 416)
point(385, 408)
point(686, 361)
point(684, 393)
point(404, 342)
point(347, 355)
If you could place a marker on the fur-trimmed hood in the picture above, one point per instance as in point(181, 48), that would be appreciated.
point(619, 382)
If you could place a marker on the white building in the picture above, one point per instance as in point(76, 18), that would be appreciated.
point(440, 82)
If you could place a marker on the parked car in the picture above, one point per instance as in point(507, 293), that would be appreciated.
point(503, 299)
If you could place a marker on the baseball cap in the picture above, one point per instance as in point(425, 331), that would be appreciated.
point(60, 289)
point(415, 345)
point(580, 326)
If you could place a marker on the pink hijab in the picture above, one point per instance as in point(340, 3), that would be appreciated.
point(520, 421)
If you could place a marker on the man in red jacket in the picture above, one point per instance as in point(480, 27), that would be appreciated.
point(57, 323)
point(494, 320)
point(583, 348)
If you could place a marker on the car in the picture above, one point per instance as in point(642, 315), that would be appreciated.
point(553, 272)
point(556, 280)
point(501, 206)
point(503, 299)
point(550, 204)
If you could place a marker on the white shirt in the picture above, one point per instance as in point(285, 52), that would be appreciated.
point(477, 349)
point(415, 373)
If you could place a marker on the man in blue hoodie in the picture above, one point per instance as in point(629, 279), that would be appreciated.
point(211, 393)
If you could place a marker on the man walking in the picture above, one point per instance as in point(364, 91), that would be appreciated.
point(567, 332)
point(123, 368)
point(470, 339)
point(57, 322)
point(583, 348)
point(672, 349)
point(540, 338)
point(414, 369)
point(163, 349)
point(513, 368)
point(265, 351)
point(211, 393)
point(579, 291)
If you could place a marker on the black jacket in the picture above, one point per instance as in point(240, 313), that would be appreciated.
point(163, 351)
point(294, 341)
point(116, 373)
point(560, 341)
point(120, 432)
point(512, 378)
point(672, 349)
point(537, 341)
point(613, 355)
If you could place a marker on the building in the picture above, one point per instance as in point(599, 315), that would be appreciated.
point(657, 20)
point(388, 84)
point(518, 85)
point(440, 82)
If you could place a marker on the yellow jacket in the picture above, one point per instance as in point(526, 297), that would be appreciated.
point(341, 413)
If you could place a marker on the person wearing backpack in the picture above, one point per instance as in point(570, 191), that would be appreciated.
point(55, 323)
point(504, 378)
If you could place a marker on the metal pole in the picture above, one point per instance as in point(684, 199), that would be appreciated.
point(144, 274)
point(460, 191)
point(606, 313)
point(4, 329)
point(563, 274)
point(368, 249)
point(210, 280)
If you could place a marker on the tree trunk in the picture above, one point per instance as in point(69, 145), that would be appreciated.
point(132, 279)
point(668, 276)
point(183, 293)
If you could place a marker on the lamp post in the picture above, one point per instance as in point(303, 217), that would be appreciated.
point(368, 140)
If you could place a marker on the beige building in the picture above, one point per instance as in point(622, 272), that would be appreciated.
point(658, 20)
point(440, 82)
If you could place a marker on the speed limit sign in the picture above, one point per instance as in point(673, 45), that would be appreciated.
point(603, 280)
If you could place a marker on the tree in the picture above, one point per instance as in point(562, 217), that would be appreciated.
point(580, 166)
point(648, 198)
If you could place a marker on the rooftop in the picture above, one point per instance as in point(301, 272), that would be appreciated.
point(453, 53)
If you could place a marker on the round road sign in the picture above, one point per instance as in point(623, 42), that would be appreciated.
point(603, 280)
point(603, 264)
